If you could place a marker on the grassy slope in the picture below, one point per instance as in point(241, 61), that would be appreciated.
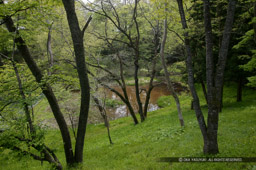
point(139, 147)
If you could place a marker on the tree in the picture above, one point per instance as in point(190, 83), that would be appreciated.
point(49, 49)
point(103, 113)
point(236, 56)
point(214, 82)
point(47, 90)
point(77, 37)
point(128, 34)
point(245, 47)
point(12, 140)
point(71, 158)
point(113, 51)
point(15, 140)
point(167, 75)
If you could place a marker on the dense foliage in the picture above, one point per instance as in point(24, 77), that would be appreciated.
point(107, 45)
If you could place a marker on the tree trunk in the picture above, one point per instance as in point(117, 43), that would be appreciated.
point(192, 105)
point(77, 38)
point(204, 90)
point(47, 91)
point(254, 24)
point(209, 52)
point(49, 49)
point(47, 153)
point(239, 89)
point(215, 90)
point(167, 76)
point(1, 63)
point(213, 96)
point(219, 77)
point(25, 104)
point(221, 98)
point(128, 104)
point(153, 73)
point(133, 43)
point(211, 145)
point(104, 116)
point(148, 92)
point(124, 99)
point(136, 45)
point(189, 63)
point(121, 84)
point(137, 90)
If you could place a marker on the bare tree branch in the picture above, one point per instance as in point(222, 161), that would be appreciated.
point(97, 35)
point(86, 24)
point(116, 24)
point(115, 77)
point(178, 35)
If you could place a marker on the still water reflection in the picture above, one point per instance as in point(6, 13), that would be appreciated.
point(122, 111)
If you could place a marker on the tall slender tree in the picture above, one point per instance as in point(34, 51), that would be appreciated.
point(46, 88)
point(77, 37)
point(167, 75)
point(131, 37)
point(214, 79)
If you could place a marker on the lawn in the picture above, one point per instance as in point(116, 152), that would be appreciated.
point(141, 146)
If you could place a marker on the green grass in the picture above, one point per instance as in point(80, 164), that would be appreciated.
point(140, 146)
point(142, 80)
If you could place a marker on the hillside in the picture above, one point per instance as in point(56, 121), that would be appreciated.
point(141, 146)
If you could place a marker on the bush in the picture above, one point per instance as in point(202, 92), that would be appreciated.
point(112, 103)
point(164, 101)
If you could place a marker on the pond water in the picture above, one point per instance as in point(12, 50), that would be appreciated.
point(70, 107)
point(122, 111)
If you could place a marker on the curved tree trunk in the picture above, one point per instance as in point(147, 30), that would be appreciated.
point(204, 90)
point(104, 116)
point(189, 63)
point(25, 104)
point(124, 99)
point(214, 84)
point(128, 104)
point(215, 95)
point(77, 38)
point(136, 61)
point(239, 89)
point(47, 90)
point(211, 145)
point(137, 90)
point(49, 49)
point(153, 73)
point(167, 75)
point(122, 85)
